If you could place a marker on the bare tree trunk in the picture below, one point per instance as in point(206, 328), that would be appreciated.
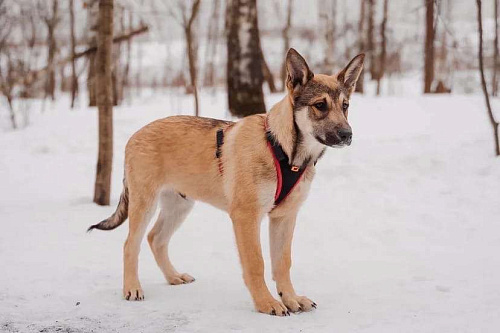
point(192, 52)
point(93, 15)
point(116, 56)
point(192, 70)
point(383, 52)
point(286, 42)
point(212, 41)
point(74, 77)
point(361, 44)
point(441, 60)
point(138, 78)
point(119, 79)
point(11, 112)
point(268, 75)
point(104, 102)
point(371, 40)
point(244, 60)
point(51, 23)
point(126, 71)
point(330, 28)
point(429, 46)
point(494, 90)
point(6, 86)
point(493, 122)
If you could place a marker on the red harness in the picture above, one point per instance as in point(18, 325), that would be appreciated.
point(287, 175)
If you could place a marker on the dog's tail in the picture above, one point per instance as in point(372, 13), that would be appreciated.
point(118, 217)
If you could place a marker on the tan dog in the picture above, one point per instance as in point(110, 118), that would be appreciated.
point(172, 162)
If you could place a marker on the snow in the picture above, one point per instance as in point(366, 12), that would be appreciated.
point(400, 233)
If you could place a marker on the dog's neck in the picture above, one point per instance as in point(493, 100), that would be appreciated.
point(300, 147)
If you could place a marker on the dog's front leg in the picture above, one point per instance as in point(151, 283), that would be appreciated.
point(246, 223)
point(280, 236)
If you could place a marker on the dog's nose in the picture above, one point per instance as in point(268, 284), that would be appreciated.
point(345, 134)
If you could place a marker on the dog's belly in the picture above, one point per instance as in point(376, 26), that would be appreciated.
point(198, 188)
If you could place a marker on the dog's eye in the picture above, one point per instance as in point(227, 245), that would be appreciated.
point(345, 106)
point(320, 106)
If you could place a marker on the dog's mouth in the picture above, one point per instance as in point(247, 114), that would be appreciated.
point(334, 142)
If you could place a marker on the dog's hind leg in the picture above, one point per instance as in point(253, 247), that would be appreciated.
point(141, 207)
point(174, 208)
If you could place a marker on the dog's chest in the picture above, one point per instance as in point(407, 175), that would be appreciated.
point(298, 194)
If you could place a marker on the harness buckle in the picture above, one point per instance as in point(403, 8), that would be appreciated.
point(295, 168)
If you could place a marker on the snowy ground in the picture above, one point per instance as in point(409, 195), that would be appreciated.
point(401, 232)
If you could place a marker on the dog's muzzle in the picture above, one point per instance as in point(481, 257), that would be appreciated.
point(337, 138)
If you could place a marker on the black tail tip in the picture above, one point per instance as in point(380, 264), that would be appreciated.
point(92, 227)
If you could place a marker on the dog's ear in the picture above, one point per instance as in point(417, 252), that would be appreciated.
point(298, 73)
point(350, 74)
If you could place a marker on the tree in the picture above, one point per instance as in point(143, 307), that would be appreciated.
point(7, 86)
point(494, 90)
point(211, 49)
point(126, 71)
point(51, 20)
point(493, 122)
point(429, 46)
point(104, 102)
point(370, 39)
point(267, 74)
point(328, 19)
point(244, 59)
point(286, 42)
point(361, 44)
point(74, 77)
point(6, 66)
point(18, 53)
point(93, 26)
point(383, 52)
point(186, 20)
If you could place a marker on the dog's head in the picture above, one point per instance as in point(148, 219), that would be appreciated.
point(321, 102)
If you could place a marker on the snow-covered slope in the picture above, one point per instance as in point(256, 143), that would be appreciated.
point(401, 232)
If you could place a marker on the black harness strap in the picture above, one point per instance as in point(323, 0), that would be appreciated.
point(220, 142)
point(218, 150)
point(288, 175)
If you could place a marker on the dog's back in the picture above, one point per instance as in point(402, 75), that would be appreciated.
point(178, 152)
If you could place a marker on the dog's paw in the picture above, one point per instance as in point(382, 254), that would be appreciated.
point(180, 279)
point(297, 303)
point(133, 294)
point(272, 307)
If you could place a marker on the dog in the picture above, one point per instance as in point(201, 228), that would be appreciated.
point(262, 164)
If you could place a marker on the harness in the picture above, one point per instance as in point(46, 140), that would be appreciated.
point(288, 176)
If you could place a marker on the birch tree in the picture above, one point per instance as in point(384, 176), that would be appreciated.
point(244, 59)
